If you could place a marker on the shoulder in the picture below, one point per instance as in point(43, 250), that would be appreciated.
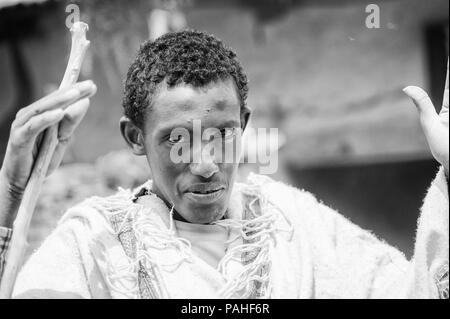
point(92, 216)
point(284, 196)
point(303, 209)
point(103, 211)
point(273, 188)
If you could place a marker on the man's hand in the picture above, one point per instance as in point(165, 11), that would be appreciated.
point(66, 107)
point(434, 125)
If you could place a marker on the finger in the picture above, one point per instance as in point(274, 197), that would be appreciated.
point(72, 118)
point(428, 116)
point(59, 99)
point(444, 110)
point(444, 114)
point(47, 103)
point(86, 89)
point(446, 79)
point(423, 103)
point(27, 134)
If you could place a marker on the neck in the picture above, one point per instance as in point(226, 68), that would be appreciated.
point(170, 206)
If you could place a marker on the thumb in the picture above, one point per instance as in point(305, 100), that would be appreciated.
point(433, 129)
point(427, 112)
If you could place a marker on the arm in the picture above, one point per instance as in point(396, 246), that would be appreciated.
point(381, 268)
point(51, 139)
point(428, 275)
point(64, 108)
point(431, 258)
point(351, 262)
point(57, 269)
point(364, 266)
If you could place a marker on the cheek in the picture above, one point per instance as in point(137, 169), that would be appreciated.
point(160, 164)
point(164, 171)
point(229, 169)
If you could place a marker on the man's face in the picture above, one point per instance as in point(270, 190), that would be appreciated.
point(199, 189)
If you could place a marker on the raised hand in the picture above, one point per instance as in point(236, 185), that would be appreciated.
point(434, 125)
point(66, 107)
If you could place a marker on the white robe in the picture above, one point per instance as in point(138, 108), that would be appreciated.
point(295, 248)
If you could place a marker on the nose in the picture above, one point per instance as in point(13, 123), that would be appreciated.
point(204, 165)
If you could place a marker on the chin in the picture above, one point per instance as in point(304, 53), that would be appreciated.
point(206, 216)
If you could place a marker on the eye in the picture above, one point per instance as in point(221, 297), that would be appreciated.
point(176, 139)
point(227, 133)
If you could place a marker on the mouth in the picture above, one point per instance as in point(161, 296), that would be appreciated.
point(205, 193)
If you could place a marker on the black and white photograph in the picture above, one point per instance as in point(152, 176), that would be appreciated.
point(224, 149)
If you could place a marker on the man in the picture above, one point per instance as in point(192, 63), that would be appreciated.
point(193, 232)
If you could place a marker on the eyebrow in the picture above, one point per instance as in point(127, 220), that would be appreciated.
point(230, 123)
point(165, 130)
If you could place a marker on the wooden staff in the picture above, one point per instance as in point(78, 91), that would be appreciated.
point(18, 246)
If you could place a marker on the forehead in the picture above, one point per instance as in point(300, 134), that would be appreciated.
point(215, 104)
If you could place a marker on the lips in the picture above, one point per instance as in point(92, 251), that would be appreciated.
point(205, 188)
point(205, 193)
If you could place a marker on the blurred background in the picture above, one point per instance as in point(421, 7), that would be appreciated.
point(330, 84)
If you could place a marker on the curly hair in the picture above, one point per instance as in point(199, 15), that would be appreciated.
point(190, 57)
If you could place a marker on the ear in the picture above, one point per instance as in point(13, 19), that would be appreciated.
point(133, 135)
point(245, 117)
